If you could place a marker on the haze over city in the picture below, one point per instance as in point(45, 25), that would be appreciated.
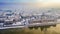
point(29, 3)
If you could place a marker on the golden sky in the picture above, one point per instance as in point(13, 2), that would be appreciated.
point(49, 3)
point(37, 3)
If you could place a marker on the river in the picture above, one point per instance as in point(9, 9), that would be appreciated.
point(51, 30)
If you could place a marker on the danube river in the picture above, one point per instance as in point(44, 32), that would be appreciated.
point(51, 30)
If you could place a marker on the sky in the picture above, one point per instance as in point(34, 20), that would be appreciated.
point(33, 1)
point(38, 3)
point(18, 1)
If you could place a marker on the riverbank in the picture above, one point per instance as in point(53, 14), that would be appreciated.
point(51, 30)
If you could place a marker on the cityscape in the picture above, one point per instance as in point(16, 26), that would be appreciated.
point(19, 19)
point(29, 16)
